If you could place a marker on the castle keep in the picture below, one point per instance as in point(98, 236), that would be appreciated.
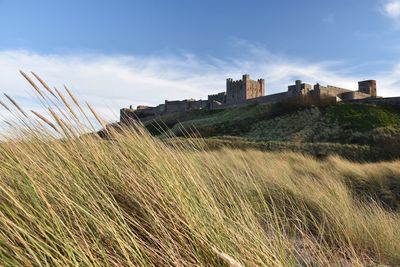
point(242, 90)
point(247, 91)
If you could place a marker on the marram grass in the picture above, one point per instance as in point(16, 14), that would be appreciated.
point(72, 199)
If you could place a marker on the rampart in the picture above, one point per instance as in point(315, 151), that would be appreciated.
point(330, 90)
point(368, 87)
point(220, 97)
point(353, 96)
point(299, 88)
point(271, 99)
point(246, 91)
point(391, 101)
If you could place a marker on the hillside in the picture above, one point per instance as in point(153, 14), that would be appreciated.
point(74, 199)
point(346, 127)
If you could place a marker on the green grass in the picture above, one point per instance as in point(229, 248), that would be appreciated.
point(359, 124)
point(283, 122)
point(68, 199)
point(362, 117)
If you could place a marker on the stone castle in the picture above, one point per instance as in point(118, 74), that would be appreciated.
point(246, 91)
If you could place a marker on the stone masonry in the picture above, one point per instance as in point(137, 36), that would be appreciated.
point(239, 91)
point(247, 91)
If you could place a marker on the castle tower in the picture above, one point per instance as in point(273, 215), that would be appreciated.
point(368, 87)
point(299, 88)
point(262, 86)
point(239, 91)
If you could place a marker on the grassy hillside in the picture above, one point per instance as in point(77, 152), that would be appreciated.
point(134, 201)
point(358, 124)
point(68, 199)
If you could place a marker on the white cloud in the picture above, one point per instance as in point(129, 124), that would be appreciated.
point(110, 82)
point(391, 8)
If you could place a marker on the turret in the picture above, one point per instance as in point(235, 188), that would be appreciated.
point(246, 77)
point(368, 87)
point(261, 82)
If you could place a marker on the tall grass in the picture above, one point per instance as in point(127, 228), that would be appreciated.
point(73, 199)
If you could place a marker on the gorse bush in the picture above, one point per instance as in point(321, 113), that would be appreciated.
point(74, 199)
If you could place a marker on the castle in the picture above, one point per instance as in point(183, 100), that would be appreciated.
point(247, 91)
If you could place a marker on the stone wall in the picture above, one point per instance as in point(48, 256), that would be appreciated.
point(239, 91)
point(368, 87)
point(299, 88)
point(126, 115)
point(198, 104)
point(235, 91)
point(329, 90)
point(185, 105)
point(254, 88)
point(176, 106)
point(353, 95)
point(393, 101)
point(246, 91)
point(270, 99)
point(220, 97)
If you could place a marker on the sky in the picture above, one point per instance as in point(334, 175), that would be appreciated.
point(129, 52)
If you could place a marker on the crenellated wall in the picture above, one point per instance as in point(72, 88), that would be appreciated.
point(235, 91)
point(329, 90)
point(299, 88)
point(220, 97)
point(176, 105)
point(368, 87)
point(246, 91)
point(241, 90)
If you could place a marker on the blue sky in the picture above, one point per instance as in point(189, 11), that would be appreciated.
point(116, 53)
point(355, 30)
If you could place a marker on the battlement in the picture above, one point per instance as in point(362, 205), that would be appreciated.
point(368, 87)
point(241, 90)
point(299, 88)
point(247, 91)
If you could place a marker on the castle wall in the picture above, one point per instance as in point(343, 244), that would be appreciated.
point(270, 99)
point(239, 91)
point(393, 101)
point(176, 106)
point(126, 115)
point(330, 90)
point(199, 104)
point(220, 97)
point(353, 95)
point(368, 87)
point(255, 88)
point(246, 91)
point(219, 105)
point(299, 88)
point(185, 105)
point(235, 92)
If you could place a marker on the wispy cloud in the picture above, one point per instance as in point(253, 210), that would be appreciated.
point(391, 8)
point(110, 82)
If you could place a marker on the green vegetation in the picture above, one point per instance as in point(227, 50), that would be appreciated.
point(68, 199)
point(136, 201)
point(359, 117)
point(318, 150)
point(338, 125)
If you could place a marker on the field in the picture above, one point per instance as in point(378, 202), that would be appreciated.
point(136, 201)
point(68, 199)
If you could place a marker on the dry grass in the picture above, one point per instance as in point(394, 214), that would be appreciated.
point(132, 200)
